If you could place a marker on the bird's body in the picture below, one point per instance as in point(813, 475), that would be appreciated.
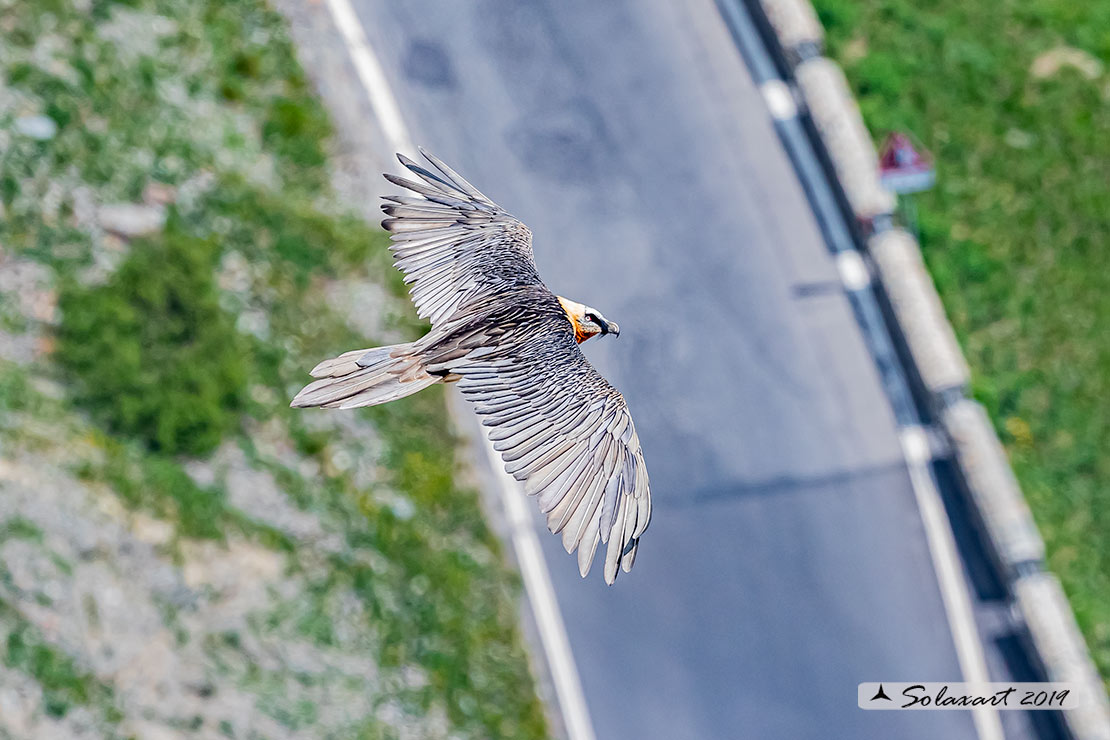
point(511, 345)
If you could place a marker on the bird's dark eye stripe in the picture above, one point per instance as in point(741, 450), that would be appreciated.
point(591, 317)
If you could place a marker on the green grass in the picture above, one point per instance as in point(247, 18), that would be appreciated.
point(1015, 234)
point(19, 528)
point(160, 363)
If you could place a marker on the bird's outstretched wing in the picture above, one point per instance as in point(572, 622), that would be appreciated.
point(563, 431)
point(453, 243)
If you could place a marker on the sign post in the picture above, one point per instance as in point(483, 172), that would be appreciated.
point(905, 170)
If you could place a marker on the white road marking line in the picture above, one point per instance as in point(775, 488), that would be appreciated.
point(533, 567)
point(369, 70)
point(541, 593)
point(780, 101)
point(915, 445)
point(953, 588)
point(853, 270)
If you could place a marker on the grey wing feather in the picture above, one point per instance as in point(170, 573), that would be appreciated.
point(453, 243)
point(568, 435)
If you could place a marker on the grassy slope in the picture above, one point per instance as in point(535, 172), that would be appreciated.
point(213, 101)
point(1015, 233)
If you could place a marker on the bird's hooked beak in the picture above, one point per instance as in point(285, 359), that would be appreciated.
point(588, 322)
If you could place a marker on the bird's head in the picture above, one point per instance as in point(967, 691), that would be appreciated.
point(588, 322)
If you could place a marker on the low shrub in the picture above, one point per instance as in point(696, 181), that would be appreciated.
point(151, 354)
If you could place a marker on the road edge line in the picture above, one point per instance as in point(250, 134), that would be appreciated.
point(370, 73)
point(545, 606)
point(858, 283)
point(526, 545)
point(950, 577)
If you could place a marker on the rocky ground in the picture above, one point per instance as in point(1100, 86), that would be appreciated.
point(311, 574)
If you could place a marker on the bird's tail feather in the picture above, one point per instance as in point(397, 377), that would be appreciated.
point(365, 377)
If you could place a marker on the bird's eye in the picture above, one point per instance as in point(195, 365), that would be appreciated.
point(591, 318)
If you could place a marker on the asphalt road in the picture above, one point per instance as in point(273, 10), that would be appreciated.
point(786, 560)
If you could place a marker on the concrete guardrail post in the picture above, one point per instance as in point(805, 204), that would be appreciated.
point(919, 313)
point(797, 28)
point(1042, 604)
point(992, 484)
point(846, 139)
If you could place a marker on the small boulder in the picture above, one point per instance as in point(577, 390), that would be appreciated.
point(40, 128)
point(159, 194)
point(131, 220)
